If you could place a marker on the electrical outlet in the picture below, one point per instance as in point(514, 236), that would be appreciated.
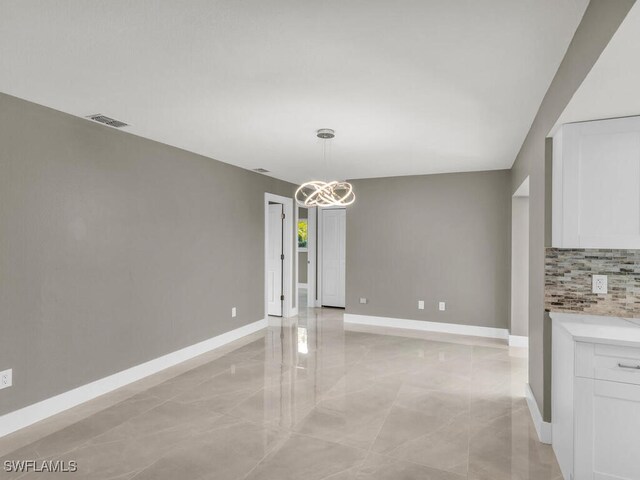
point(233, 312)
point(363, 300)
point(599, 284)
point(442, 306)
point(420, 304)
point(6, 379)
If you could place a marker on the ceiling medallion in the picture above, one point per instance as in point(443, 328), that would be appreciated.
point(318, 193)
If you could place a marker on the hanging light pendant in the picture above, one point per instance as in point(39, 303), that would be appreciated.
point(317, 193)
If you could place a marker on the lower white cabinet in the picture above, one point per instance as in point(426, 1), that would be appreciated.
point(607, 430)
point(595, 408)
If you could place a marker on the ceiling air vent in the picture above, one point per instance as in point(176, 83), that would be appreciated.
point(261, 170)
point(98, 117)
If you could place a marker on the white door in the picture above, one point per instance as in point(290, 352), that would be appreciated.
point(334, 241)
point(274, 260)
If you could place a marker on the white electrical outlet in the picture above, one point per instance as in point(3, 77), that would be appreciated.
point(233, 312)
point(363, 300)
point(442, 306)
point(599, 284)
point(420, 304)
point(6, 379)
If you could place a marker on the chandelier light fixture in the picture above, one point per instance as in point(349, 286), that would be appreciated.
point(318, 193)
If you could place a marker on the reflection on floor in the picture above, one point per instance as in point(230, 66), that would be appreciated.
point(310, 401)
point(302, 298)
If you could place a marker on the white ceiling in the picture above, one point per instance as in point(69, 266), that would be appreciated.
point(612, 87)
point(411, 87)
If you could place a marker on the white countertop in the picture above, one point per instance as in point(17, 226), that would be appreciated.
point(600, 329)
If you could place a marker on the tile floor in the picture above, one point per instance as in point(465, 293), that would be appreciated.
point(310, 400)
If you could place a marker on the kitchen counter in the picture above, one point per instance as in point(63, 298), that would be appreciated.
point(595, 393)
point(599, 329)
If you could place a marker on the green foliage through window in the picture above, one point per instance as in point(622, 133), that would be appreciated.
point(302, 233)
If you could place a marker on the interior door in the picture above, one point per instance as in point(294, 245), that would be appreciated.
point(274, 260)
point(334, 241)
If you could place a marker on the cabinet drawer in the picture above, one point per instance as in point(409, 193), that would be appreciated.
point(608, 362)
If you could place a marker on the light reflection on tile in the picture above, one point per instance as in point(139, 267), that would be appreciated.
point(307, 398)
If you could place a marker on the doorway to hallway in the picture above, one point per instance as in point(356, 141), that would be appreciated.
point(279, 288)
point(519, 322)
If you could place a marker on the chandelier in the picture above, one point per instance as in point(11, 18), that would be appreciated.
point(318, 193)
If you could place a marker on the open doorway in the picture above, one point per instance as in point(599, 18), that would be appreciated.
point(519, 324)
point(303, 256)
point(306, 254)
point(279, 261)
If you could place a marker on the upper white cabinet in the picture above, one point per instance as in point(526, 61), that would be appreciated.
point(596, 184)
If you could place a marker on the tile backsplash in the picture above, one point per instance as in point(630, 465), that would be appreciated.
point(568, 281)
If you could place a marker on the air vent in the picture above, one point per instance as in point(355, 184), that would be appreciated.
point(98, 117)
point(260, 170)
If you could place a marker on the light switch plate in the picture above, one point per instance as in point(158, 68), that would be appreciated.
point(363, 300)
point(420, 304)
point(442, 306)
point(233, 312)
point(6, 378)
point(599, 284)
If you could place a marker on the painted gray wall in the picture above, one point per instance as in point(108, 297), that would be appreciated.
point(600, 21)
point(115, 250)
point(519, 266)
point(432, 238)
point(302, 267)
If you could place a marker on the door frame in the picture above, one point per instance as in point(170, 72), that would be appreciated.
point(319, 250)
point(288, 310)
point(311, 256)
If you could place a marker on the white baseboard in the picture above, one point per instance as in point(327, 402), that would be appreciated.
point(518, 341)
point(543, 429)
point(427, 326)
point(26, 416)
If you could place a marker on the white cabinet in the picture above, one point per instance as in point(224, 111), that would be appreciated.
point(595, 408)
point(596, 184)
point(607, 430)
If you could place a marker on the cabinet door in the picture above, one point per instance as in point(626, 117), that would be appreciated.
point(607, 430)
point(597, 184)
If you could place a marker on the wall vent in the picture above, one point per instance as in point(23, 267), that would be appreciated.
point(261, 170)
point(98, 117)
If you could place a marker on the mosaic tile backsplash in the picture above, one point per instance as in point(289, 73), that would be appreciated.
point(568, 281)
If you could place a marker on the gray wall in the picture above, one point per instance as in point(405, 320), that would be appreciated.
point(519, 266)
point(302, 267)
point(432, 238)
point(600, 21)
point(115, 250)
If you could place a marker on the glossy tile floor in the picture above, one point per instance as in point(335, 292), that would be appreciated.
point(309, 400)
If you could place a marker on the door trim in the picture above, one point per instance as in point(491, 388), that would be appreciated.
point(311, 256)
point(288, 310)
point(310, 286)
